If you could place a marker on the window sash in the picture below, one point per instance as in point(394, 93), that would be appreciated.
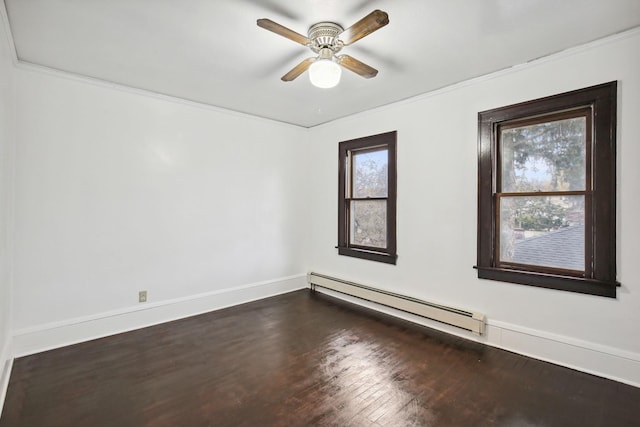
point(351, 159)
point(351, 215)
point(544, 268)
point(553, 117)
point(351, 169)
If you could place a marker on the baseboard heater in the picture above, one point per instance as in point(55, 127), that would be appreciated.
point(470, 321)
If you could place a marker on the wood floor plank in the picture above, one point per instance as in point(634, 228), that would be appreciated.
point(303, 359)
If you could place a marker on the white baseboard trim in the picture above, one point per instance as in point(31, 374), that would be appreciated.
point(72, 331)
point(6, 363)
point(596, 359)
point(593, 358)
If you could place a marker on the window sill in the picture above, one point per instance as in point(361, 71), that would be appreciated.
point(369, 255)
point(550, 281)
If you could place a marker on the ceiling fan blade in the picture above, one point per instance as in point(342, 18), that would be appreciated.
point(356, 66)
point(367, 25)
point(298, 69)
point(268, 24)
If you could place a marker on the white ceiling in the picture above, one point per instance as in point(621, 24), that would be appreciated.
point(212, 51)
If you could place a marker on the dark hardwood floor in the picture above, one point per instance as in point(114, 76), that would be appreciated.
point(303, 359)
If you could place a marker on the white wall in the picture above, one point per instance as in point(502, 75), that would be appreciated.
point(119, 191)
point(7, 106)
point(437, 184)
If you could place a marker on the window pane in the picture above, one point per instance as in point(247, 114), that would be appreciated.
point(370, 173)
point(544, 157)
point(369, 223)
point(543, 230)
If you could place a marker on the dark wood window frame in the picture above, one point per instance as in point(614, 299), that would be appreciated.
point(599, 277)
point(388, 254)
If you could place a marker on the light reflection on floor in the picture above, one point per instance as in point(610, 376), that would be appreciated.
point(365, 385)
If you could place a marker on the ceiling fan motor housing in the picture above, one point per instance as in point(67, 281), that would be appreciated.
point(324, 35)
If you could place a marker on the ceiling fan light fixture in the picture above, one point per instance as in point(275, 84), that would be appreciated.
point(324, 39)
point(324, 73)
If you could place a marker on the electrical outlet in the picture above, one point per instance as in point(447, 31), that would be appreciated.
point(142, 296)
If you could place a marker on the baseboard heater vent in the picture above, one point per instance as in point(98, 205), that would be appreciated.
point(470, 321)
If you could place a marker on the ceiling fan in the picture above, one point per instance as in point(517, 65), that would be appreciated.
point(326, 39)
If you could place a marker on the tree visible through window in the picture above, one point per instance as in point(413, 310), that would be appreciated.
point(546, 192)
point(367, 198)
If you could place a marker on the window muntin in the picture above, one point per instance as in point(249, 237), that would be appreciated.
point(546, 179)
point(367, 202)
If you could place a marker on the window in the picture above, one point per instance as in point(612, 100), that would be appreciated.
point(367, 198)
point(547, 192)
